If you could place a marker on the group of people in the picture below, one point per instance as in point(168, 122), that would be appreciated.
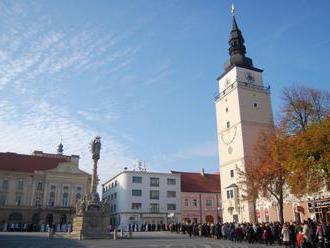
point(310, 234)
point(18, 227)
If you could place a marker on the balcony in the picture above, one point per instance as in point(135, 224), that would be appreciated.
point(230, 88)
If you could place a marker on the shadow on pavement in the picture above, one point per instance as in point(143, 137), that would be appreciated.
point(34, 240)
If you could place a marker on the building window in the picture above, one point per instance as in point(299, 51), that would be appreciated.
point(65, 199)
point(136, 192)
point(194, 203)
point(114, 207)
point(154, 181)
point(5, 184)
point(230, 194)
point(116, 183)
point(51, 202)
point(38, 202)
point(154, 207)
point(171, 181)
point(209, 203)
point(115, 196)
point(78, 196)
point(136, 205)
point(171, 193)
point(65, 188)
point(53, 187)
point(227, 110)
point(132, 218)
point(18, 200)
point(136, 179)
point(154, 194)
point(2, 200)
point(231, 173)
point(186, 202)
point(20, 184)
point(111, 196)
point(39, 186)
point(171, 206)
point(255, 105)
point(228, 124)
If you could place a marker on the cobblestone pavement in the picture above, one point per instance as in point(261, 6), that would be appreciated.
point(139, 240)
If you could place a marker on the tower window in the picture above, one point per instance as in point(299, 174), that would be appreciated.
point(227, 110)
point(231, 173)
point(228, 124)
point(255, 105)
point(230, 194)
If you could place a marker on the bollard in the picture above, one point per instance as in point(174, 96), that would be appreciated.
point(115, 234)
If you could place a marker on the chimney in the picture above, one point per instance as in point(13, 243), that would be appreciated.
point(202, 172)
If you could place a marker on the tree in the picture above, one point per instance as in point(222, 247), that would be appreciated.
point(305, 118)
point(265, 174)
point(309, 159)
point(302, 107)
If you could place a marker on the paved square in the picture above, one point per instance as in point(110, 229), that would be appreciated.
point(140, 240)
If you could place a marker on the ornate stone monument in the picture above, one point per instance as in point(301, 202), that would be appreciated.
point(92, 219)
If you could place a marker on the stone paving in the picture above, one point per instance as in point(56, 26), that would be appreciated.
point(139, 240)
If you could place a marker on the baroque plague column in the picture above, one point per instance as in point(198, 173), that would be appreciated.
point(92, 216)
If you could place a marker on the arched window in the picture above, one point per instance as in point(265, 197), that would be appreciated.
point(51, 199)
point(65, 199)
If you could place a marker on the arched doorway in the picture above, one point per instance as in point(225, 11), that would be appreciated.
point(49, 219)
point(15, 218)
point(209, 219)
point(35, 219)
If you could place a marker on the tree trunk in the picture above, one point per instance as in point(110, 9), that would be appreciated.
point(280, 208)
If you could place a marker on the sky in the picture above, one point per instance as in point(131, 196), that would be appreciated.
point(142, 74)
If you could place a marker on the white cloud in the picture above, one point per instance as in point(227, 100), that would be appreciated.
point(41, 129)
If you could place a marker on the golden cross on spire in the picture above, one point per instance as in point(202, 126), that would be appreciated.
point(232, 8)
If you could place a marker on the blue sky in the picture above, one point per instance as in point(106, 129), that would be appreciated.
point(142, 74)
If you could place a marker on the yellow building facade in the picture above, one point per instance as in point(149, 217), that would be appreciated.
point(40, 188)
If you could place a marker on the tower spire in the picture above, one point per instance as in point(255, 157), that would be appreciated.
point(232, 8)
point(237, 48)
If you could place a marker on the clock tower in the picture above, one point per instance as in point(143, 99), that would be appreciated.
point(243, 109)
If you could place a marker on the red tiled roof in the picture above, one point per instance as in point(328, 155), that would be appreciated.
point(27, 163)
point(196, 182)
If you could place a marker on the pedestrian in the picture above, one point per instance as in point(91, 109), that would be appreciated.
point(285, 235)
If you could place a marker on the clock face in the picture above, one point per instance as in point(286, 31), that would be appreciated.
point(228, 136)
point(249, 77)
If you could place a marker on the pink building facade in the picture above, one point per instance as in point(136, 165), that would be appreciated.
point(200, 207)
point(200, 197)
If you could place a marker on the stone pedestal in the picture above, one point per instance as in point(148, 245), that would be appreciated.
point(91, 224)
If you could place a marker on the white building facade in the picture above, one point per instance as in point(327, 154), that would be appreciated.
point(141, 197)
point(243, 109)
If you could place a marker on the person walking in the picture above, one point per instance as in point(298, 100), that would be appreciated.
point(285, 235)
point(300, 238)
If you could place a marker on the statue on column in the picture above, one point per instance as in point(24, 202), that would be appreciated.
point(95, 148)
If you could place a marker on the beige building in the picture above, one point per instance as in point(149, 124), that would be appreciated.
point(40, 188)
point(243, 109)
